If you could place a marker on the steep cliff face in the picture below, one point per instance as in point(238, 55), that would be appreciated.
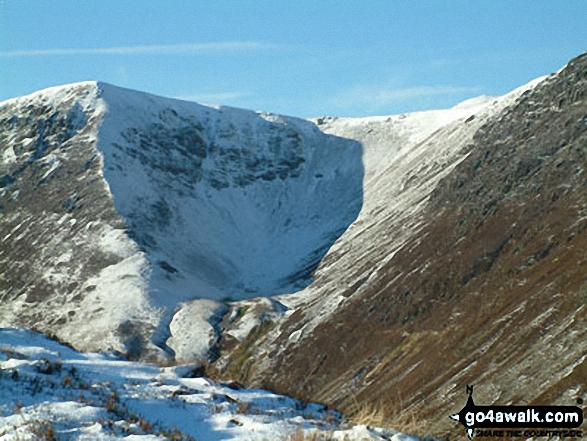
point(486, 286)
point(117, 206)
point(227, 203)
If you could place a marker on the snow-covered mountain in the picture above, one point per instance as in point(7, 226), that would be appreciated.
point(378, 260)
point(130, 219)
point(118, 206)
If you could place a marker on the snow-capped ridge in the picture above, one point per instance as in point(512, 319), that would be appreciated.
point(475, 102)
point(54, 94)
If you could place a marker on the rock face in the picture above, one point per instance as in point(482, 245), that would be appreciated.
point(467, 265)
point(117, 206)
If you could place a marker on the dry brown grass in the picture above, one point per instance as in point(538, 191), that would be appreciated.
point(299, 435)
point(383, 414)
point(389, 414)
point(370, 415)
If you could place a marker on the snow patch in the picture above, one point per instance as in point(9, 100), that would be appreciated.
point(193, 331)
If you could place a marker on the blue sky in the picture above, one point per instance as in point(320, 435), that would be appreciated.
point(303, 58)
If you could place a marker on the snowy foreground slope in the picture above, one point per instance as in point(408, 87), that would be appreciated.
point(50, 391)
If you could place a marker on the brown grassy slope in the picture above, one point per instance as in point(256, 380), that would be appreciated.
point(491, 293)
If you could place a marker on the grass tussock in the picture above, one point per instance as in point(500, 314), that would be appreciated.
point(313, 435)
point(388, 414)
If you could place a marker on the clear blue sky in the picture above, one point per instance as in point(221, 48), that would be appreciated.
point(303, 58)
